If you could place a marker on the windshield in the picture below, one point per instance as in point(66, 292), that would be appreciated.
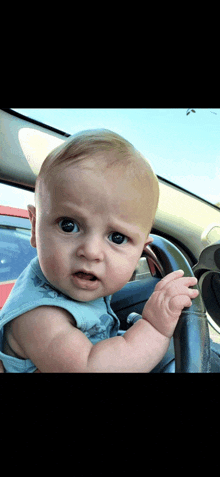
point(182, 145)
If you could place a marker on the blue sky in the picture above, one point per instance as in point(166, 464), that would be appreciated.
point(183, 149)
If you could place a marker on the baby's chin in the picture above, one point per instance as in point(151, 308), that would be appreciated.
point(86, 295)
point(81, 295)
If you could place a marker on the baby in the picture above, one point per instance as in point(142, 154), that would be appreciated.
point(95, 201)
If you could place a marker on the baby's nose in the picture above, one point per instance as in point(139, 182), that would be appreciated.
point(91, 249)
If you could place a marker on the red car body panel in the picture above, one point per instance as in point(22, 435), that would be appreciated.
point(13, 212)
point(5, 290)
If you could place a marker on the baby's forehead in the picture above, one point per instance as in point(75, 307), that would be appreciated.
point(107, 170)
point(134, 172)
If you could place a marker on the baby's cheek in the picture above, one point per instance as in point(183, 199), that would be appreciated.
point(51, 266)
point(122, 275)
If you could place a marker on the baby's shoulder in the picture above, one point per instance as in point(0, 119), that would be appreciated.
point(33, 322)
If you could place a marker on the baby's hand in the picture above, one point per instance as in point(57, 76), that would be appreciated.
point(170, 296)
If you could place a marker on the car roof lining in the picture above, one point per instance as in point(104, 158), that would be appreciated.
point(23, 147)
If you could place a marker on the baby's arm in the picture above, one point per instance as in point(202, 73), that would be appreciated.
point(47, 336)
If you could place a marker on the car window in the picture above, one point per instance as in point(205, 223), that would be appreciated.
point(142, 270)
point(15, 248)
point(15, 251)
point(15, 196)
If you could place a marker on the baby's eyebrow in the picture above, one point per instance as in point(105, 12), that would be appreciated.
point(68, 210)
point(130, 230)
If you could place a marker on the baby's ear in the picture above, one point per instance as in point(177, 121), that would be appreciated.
point(32, 218)
point(149, 240)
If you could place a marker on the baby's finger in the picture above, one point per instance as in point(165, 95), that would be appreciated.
point(175, 281)
point(169, 278)
point(193, 292)
point(177, 303)
point(186, 281)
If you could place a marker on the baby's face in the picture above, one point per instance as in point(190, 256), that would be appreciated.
point(90, 231)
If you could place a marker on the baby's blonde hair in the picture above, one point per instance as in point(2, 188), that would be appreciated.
point(83, 145)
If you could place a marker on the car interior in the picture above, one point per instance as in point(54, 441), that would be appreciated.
point(185, 226)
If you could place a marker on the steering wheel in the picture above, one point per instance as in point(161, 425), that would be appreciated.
point(191, 335)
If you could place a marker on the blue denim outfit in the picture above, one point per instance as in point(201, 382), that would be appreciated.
point(95, 318)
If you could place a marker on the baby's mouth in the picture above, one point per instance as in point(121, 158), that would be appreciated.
point(86, 276)
point(85, 281)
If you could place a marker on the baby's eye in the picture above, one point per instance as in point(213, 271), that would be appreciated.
point(118, 238)
point(68, 225)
